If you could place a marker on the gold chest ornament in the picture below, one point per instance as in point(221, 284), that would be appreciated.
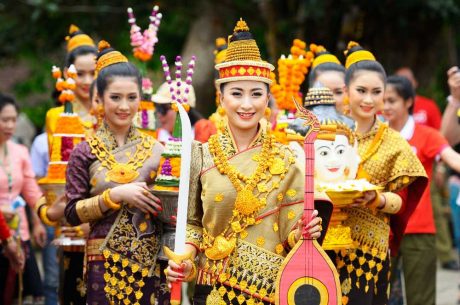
point(122, 172)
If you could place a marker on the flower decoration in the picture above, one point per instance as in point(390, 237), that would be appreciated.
point(66, 85)
point(291, 74)
point(143, 43)
point(178, 89)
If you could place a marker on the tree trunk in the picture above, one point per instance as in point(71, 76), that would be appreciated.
point(201, 43)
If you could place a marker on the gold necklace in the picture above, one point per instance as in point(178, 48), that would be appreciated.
point(246, 204)
point(122, 172)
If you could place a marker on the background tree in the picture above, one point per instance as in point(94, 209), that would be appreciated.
point(422, 34)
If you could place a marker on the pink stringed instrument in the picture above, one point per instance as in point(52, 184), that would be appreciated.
point(307, 275)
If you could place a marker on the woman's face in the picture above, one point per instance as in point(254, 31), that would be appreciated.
point(85, 65)
point(365, 92)
point(395, 106)
point(335, 81)
point(8, 117)
point(244, 103)
point(121, 101)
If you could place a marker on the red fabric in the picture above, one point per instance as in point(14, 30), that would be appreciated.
point(427, 144)
point(410, 196)
point(203, 130)
point(426, 112)
point(4, 229)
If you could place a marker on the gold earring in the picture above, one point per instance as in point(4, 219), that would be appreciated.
point(267, 112)
point(221, 110)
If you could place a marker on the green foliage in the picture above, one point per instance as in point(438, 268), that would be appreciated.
point(33, 31)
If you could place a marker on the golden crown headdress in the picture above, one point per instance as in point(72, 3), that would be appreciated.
point(109, 58)
point(356, 55)
point(77, 38)
point(242, 59)
point(322, 56)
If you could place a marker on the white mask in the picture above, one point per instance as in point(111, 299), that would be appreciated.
point(335, 161)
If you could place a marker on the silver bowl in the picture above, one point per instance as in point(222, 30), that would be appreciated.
point(169, 203)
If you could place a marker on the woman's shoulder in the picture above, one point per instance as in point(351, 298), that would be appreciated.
point(82, 150)
point(16, 149)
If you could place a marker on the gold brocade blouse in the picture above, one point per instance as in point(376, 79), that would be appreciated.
point(388, 161)
point(260, 247)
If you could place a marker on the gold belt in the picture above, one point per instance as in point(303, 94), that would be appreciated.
point(93, 247)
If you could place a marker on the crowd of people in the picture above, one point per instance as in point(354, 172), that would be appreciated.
point(98, 224)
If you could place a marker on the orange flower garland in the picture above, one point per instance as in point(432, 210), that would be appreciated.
point(291, 74)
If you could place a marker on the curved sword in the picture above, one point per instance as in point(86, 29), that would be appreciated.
point(182, 203)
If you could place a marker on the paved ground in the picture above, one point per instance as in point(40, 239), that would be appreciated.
point(447, 292)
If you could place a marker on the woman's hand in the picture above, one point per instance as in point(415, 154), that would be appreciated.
point(13, 252)
point(39, 232)
point(367, 198)
point(137, 194)
point(311, 229)
point(175, 272)
point(8, 213)
point(453, 81)
point(56, 210)
point(76, 232)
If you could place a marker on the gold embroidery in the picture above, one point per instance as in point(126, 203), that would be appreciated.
point(279, 249)
point(291, 215)
point(260, 241)
point(280, 197)
point(219, 197)
point(291, 193)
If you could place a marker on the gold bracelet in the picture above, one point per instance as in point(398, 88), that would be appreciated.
point(89, 210)
point(393, 203)
point(193, 272)
point(291, 239)
point(42, 213)
point(109, 202)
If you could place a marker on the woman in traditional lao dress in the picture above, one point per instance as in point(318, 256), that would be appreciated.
point(246, 192)
point(387, 161)
point(81, 53)
point(107, 180)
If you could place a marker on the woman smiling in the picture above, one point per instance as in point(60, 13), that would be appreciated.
point(246, 191)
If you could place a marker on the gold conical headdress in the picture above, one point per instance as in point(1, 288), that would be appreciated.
point(242, 59)
point(77, 39)
point(109, 58)
point(357, 55)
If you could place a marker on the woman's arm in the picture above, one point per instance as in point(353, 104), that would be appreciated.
point(449, 126)
point(451, 158)
point(32, 193)
point(80, 206)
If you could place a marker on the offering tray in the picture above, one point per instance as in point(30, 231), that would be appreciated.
point(344, 193)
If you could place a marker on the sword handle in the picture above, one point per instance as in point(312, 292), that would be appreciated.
point(176, 293)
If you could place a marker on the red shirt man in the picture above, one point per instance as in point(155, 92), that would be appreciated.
point(427, 143)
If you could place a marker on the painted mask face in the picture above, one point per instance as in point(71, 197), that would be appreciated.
point(335, 161)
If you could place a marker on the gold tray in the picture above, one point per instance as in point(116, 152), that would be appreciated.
point(343, 198)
